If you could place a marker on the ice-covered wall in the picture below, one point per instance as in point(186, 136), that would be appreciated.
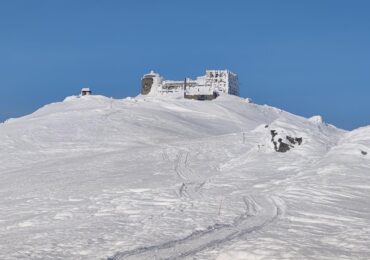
point(222, 81)
point(212, 84)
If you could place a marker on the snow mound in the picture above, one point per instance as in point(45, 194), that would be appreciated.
point(316, 119)
point(94, 177)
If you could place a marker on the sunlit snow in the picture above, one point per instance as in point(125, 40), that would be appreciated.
point(149, 178)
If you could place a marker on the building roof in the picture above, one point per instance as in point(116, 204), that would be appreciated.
point(86, 89)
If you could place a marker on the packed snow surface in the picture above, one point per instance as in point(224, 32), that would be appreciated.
point(152, 178)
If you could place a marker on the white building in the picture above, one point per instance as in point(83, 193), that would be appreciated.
point(85, 92)
point(209, 86)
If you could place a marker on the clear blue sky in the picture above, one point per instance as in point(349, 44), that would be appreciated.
point(308, 57)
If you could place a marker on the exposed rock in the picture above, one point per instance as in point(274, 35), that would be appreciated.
point(299, 140)
point(281, 146)
point(363, 152)
point(273, 133)
point(290, 139)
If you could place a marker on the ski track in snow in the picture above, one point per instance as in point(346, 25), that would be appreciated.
point(192, 182)
point(259, 213)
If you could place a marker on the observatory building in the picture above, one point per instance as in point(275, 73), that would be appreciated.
point(207, 87)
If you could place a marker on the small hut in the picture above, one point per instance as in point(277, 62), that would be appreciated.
point(86, 92)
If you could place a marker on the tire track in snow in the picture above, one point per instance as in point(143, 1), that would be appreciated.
point(259, 213)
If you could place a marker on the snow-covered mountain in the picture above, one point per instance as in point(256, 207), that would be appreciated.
point(152, 178)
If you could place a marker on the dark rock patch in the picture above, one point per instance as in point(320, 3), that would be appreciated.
point(363, 152)
point(290, 139)
point(273, 134)
point(281, 146)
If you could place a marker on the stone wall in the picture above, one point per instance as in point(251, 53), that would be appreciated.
point(201, 97)
point(146, 85)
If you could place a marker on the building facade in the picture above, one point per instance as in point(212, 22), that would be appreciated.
point(209, 86)
point(85, 92)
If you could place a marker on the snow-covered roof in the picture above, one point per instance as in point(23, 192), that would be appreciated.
point(85, 89)
point(151, 73)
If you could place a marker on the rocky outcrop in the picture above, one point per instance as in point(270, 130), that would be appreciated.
point(280, 145)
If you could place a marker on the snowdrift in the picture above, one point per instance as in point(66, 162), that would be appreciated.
point(142, 178)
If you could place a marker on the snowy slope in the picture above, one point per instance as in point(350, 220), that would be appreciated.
point(152, 178)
